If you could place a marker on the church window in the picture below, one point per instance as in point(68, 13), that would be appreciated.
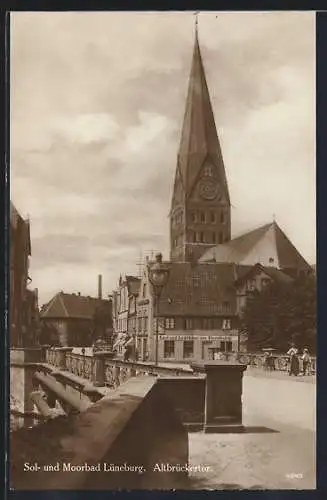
point(208, 171)
point(221, 237)
point(212, 217)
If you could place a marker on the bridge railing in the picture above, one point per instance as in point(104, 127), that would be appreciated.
point(102, 369)
point(115, 370)
point(278, 362)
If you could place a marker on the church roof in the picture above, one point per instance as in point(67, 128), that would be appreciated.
point(267, 245)
point(199, 138)
point(71, 305)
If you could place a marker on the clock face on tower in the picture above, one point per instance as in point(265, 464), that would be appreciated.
point(208, 190)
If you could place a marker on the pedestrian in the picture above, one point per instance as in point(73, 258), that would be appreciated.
point(305, 360)
point(218, 355)
point(129, 346)
point(294, 360)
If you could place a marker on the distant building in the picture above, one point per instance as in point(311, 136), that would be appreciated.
point(23, 301)
point(124, 307)
point(71, 319)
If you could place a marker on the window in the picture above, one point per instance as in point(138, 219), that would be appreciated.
point(170, 323)
point(188, 349)
point(212, 217)
point(169, 348)
point(213, 237)
point(194, 237)
point(144, 290)
point(196, 281)
point(265, 282)
point(226, 346)
point(207, 324)
point(202, 216)
point(193, 217)
point(145, 323)
point(221, 237)
point(225, 305)
point(202, 239)
point(251, 285)
point(222, 217)
point(208, 171)
point(226, 324)
point(188, 324)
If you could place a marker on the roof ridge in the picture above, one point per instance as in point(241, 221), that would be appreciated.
point(63, 304)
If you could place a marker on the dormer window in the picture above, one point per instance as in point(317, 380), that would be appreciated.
point(251, 285)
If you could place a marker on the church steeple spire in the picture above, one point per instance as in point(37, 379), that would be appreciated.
point(199, 156)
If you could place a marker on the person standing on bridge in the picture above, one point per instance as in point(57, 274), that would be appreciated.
point(129, 347)
point(294, 360)
point(305, 360)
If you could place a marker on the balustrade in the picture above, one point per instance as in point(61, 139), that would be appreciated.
point(101, 369)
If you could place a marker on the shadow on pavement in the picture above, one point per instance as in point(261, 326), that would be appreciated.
point(258, 429)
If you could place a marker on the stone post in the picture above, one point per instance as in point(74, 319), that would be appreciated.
point(99, 369)
point(61, 357)
point(223, 395)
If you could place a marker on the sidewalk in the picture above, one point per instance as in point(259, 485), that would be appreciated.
point(277, 451)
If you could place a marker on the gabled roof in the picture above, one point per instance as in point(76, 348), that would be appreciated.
point(274, 273)
point(198, 290)
point(199, 139)
point(70, 305)
point(133, 284)
point(267, 245)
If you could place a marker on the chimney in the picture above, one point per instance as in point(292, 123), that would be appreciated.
point(100, 286)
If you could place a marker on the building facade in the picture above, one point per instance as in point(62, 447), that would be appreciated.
point(72, 319)
point(24, 319)
point(125, 308)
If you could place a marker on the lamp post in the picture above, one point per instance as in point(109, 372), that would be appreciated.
point(158, 276)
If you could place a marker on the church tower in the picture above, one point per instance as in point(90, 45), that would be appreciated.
point(200, 214)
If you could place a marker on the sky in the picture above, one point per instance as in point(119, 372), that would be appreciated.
point(97, 103)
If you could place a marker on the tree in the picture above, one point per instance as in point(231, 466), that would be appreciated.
point(280, 314)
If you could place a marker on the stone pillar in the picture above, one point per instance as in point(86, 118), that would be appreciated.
point(99, 369)
point(61, 357)
point(223, 395)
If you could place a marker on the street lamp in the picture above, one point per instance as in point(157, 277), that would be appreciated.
point(158, 276)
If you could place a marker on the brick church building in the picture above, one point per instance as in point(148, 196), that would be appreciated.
point(210, 274)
